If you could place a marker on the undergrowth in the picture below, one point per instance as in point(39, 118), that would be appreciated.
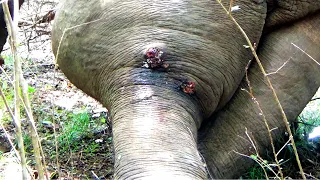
point(308, 149)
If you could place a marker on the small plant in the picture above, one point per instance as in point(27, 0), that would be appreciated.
point(256, 172)
point(27, 143)
point(9, 95)
point(74, 130)
point(91, 148)
point(9, 61)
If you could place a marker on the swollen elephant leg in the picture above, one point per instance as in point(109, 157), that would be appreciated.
point(288, 56)
point(154, 133)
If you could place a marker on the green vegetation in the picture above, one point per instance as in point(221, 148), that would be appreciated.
point(9, 95)
point(27, 142)
point(256, 172)
point(309, 119)
point(74, 130)
point(307, 149)
point(9, 59)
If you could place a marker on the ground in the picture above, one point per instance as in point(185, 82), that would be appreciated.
point(83, 127)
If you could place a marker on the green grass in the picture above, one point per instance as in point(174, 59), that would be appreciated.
point(91, 148)
point(8, 92)
point(74, 129)
point(9, 95)
point(77, 133)
point(255, 172)
point(27, 142)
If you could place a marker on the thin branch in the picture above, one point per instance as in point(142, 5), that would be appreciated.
point(33, 130)
point(273, 129)
point(95, 176)
point(258, 155)
point(5, 131)
point(251, 141)
point(279, 68)
point(284, 117)
point(68, 29)
point(244, 138)
point(306, 54)
point(258, 162)
point(31, 121)
point(13, 44)
point(269, 131)
point(315, 99)
point(19, 82)
point(283, 146)
point(55, 135)
point(12, 116)
point(230, 6)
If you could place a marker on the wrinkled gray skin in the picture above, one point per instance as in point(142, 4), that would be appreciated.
point(156, 126)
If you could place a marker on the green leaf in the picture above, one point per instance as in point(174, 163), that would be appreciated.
point(31, 89)
point(265, 161)
point(253, 156)
point(103, 120)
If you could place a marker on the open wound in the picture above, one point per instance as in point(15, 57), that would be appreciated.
point(154, 59)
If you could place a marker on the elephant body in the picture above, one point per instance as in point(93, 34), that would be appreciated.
point(296, 78)
point(3, 26)
point(193, 85)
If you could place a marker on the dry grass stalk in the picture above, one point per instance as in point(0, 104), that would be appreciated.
point(306, 54)
point(16, 120)
point(29, 116)
point(19, 81)
point(284, 117)
point(250, 92)
point(5, 131)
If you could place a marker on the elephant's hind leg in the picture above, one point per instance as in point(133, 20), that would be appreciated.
point(286, 56)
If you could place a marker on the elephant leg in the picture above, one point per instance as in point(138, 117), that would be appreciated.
point(288, 55)
point(155, 134)
point(287, 11)
point(3, 26)
point(155, 116)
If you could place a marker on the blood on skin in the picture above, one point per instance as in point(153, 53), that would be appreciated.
point(188, 87)
point(154, 58)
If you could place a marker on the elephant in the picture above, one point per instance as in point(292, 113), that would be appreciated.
point(3, 26)
point(172, 73)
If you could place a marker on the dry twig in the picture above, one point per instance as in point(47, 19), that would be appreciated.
point(17, 121)
point(19, 81)
point(284, 117)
